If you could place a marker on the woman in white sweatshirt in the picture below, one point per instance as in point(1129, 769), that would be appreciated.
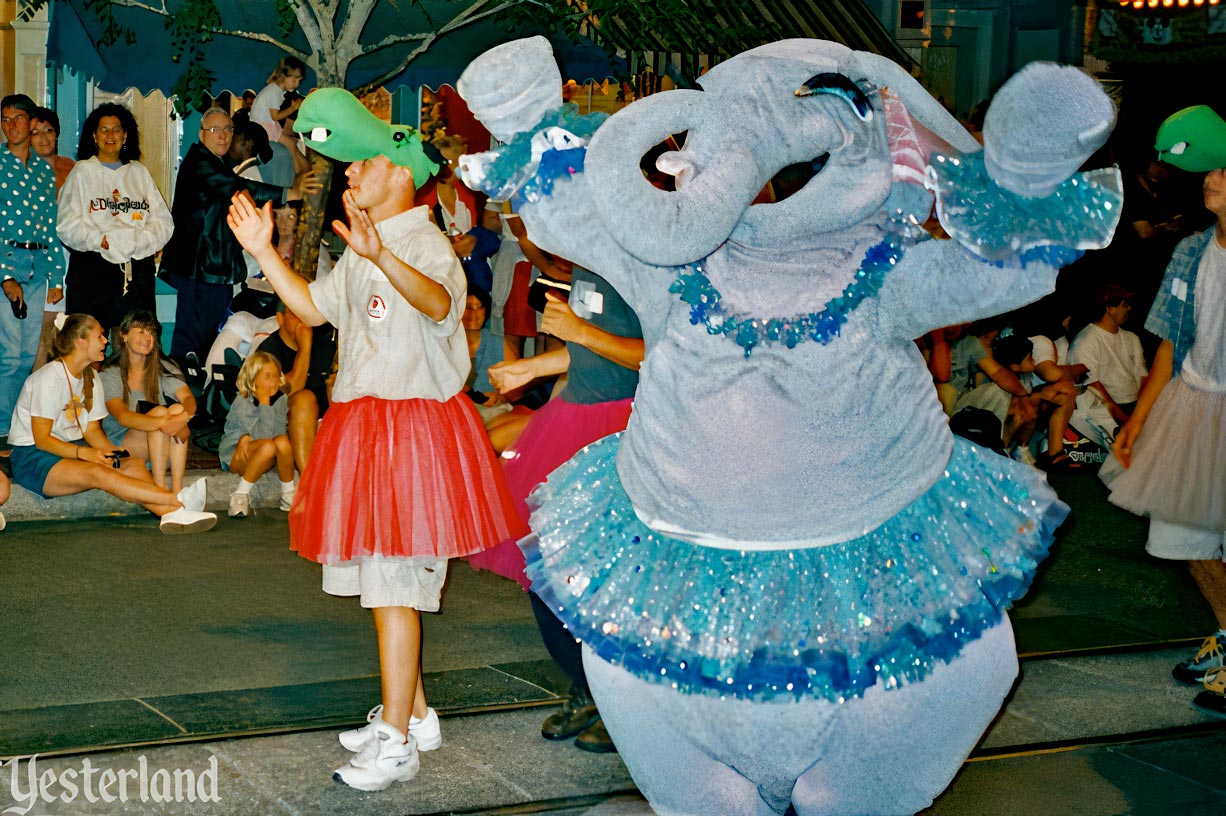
point(112, 218)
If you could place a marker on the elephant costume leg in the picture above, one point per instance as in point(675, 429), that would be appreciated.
point(890, 752)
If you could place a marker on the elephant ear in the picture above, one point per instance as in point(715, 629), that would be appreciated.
point(935, 125)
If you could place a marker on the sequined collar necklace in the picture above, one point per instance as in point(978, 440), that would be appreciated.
point(749, 332)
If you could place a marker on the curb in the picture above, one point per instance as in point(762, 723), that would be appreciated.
point(26, 506)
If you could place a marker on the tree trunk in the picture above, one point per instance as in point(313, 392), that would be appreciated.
point(311, 220)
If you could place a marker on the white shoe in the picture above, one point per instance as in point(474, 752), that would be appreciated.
point(240, 505)
point(394, 759)
point(426, 731)
point(184, 521)
point(287, 501)
point(3, 523)
point(194, 497)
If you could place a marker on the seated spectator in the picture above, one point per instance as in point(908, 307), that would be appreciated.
point(1004, 395)
point(1055, 376)
point(256, 436)
point(453, 207)
point(502, 421)
point(148, 402)
point(308, 357)
point(516, 266)
point(938, 355)
point(1115, 366)
point(965, 352)
point(242, 332)
point(59, 447)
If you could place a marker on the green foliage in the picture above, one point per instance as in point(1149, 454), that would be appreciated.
point(683, 26)
point(191, 26)
point(286, 20)
point(112, 30)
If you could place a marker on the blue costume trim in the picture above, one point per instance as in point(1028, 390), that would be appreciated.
point(824, 622)
point(993, 223)
point(706, 306)
point(512, 165)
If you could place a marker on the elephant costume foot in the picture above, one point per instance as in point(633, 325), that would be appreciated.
point(890, 752)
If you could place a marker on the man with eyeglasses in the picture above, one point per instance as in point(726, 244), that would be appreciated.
point(30, 254)
point(203, 261)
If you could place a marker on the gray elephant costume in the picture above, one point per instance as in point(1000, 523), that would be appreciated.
point(789, 578)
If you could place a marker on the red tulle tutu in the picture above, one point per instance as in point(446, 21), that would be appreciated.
point(400, 478)
point(554, 434)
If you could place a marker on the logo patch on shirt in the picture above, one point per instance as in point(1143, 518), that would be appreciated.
point(376, 308)
point(1179, 288)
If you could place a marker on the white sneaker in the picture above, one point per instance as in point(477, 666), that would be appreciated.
point(426, 731)
point(394, 759)
point(287, 501)
point(184, 521)
point(3, 523)
point(240, 505)
point(194, 497)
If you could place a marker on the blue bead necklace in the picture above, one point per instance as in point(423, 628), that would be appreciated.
point(748, 332)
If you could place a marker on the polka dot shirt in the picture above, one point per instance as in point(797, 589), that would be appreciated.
point(28, 213)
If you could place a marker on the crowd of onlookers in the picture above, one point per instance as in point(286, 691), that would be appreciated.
point(1050, 384)
point(242, 377)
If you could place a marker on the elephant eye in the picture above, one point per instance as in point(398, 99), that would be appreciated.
point(794, 177)
point(842, 87)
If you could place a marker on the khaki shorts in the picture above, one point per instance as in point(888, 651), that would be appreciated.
point(413, 582)
point(1180, 543)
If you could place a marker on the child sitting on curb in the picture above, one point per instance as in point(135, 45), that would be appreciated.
point(256, 435)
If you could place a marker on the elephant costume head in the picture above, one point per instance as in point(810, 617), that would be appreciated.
point(745, 124)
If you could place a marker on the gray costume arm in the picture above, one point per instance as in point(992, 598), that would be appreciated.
point(939, 284)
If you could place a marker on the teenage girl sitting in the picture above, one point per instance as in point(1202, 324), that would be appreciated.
point(59, 447)
point(148, 401)
point(256, 435)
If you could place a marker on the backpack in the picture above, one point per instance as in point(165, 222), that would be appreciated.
point(979, 426)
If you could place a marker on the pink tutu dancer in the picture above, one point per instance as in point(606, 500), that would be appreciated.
point(412, 477)
point(555, 433)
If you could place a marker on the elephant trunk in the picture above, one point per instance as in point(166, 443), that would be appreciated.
point(671, 228)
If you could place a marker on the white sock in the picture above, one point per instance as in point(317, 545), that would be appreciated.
point(288, 488)
point(244, 486)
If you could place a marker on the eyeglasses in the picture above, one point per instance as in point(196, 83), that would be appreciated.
point(229, 129)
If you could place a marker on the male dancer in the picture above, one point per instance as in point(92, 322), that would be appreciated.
point(403, 477)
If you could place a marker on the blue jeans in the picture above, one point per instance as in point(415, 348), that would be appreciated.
point(19, 338)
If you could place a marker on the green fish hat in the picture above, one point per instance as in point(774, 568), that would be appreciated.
point(1194, 139)
point(338, 125)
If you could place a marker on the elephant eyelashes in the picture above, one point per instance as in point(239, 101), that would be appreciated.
point(842, 87)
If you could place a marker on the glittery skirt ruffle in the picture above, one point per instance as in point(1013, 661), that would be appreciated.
point(826, 622)
point(994, 223)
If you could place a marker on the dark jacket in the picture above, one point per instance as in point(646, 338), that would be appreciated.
point(203, 247)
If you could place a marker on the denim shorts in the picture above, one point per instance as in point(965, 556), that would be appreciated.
point(31, 464)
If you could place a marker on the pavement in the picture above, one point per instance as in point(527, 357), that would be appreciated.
point(216, 659)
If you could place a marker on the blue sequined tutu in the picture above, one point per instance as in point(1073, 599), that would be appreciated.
point(995, 224)
point(825, 622)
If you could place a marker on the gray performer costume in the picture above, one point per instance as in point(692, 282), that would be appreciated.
point(789, 577)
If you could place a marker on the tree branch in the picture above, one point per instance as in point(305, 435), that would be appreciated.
point(468, 15)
